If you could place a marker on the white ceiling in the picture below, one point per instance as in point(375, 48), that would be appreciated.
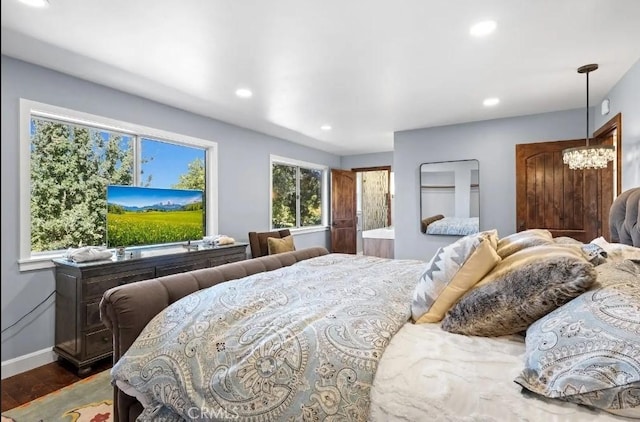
point(368, 68)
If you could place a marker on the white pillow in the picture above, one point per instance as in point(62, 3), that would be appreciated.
point(617, 251)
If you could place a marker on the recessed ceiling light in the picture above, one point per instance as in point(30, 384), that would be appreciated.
point(489, 102)
point(36, 3)
point(483, 28)
point(244, 93)
point(325, 127)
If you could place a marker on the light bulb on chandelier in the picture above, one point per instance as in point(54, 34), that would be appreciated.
point(588, 156)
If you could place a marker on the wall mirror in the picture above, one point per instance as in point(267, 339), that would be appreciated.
point(450, 198)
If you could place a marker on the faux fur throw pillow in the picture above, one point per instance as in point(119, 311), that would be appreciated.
point(521, 289)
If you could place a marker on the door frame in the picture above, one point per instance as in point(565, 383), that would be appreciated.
point(614, 124)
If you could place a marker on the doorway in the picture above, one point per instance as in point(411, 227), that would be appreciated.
point(374, 201)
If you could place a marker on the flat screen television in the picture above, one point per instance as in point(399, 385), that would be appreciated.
point(151, 216)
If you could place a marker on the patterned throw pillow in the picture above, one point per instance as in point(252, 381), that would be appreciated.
point(525, 239)
point(595, 254)
point(285, 244)
point(452, 271)
point(588, 351)
point(521, 289)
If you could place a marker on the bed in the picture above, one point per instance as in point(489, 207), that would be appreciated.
point(309, 335)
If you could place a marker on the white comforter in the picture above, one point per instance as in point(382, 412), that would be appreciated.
point(427, 374)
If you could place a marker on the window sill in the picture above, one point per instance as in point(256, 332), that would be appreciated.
point(305, 230)
point(38, 262)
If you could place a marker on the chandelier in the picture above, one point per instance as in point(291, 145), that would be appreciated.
point(588, 156)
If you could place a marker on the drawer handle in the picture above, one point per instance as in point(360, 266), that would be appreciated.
point(106, 339)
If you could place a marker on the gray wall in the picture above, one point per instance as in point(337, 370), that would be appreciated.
point(625, 98)
point(377, 159)
point(492, 143)
point(243, 194)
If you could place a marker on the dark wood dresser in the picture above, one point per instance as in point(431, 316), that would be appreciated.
point(80, 336)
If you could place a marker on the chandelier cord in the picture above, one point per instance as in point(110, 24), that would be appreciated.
point(588, 107)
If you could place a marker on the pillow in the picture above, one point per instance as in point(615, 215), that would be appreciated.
point(452, 271)
point(617, 251)
point(525, 239)
point(566, 240)
point(275, 245)
point(521, 289)
point(588, 351)
point(615, 271)
point(595, 254)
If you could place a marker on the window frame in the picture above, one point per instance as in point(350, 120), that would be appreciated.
point(275, 159)
point(27, 260)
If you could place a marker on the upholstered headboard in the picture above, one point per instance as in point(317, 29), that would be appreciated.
point(624, 220)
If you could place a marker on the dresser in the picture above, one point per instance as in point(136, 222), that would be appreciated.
point(80, 336)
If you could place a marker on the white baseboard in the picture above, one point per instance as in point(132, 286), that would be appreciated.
point(27, 362)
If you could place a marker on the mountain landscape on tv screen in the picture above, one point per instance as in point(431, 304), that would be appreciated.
point(167, 206)
point(139, 216)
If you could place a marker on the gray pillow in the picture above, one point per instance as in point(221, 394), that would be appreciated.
point(588, 351)
point(521, 289)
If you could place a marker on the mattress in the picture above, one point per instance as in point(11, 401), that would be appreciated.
point(427, 374)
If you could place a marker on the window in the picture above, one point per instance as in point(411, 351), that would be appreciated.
point(71, 157)
point(298, 194)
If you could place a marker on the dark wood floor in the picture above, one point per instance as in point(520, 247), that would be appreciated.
point(30, 385)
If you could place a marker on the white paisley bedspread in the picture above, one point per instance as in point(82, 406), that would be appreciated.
point(298, 343)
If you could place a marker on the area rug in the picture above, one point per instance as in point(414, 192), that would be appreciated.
point(88, 400)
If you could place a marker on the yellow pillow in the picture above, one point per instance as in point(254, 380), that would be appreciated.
point(275, 245)
point(522, 240)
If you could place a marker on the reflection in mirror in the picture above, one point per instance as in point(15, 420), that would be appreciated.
point(450, 197)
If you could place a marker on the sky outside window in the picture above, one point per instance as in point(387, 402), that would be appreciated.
point(165, 162)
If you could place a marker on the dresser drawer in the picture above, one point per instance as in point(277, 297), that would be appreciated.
point(96, 286)
point(225, 259)
point(98, 343)
point(179, 267)
point(91, 313)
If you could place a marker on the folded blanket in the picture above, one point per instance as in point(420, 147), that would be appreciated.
point(88, 253)
point(219, 239)
point(426, 221)
point(226, 240)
